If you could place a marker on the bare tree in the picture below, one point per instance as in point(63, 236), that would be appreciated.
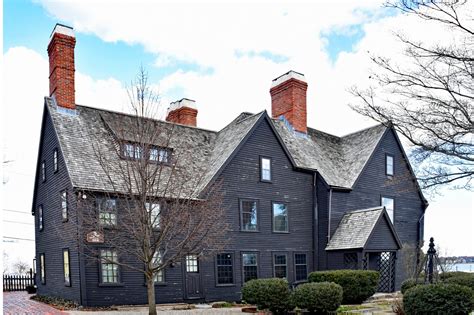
point(429, 100)
point(153, 211)
point(5, 262)
point(20, 267)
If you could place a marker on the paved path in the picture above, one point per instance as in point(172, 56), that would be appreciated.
point(19, 303)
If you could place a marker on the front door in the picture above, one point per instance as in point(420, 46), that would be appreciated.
point(192, 278)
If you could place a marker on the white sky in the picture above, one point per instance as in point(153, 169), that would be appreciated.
point(210, 35)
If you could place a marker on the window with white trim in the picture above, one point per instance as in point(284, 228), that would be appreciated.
point(389, 204)
point(42, 269)
point(280, 217)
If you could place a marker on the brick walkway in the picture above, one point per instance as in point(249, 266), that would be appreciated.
point(19, 303)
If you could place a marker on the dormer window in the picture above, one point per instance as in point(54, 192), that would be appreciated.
point(129, 150)
point(389, 164)
point(161, 155)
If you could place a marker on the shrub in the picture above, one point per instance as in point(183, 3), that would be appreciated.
point(465, 280)
point(450, 274)
point(272, 294)
point(438, 299)
point(357, 285)
point(322, 297)
point(410, 283)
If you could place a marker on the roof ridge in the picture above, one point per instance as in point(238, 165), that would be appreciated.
point(365, 210)
point(362, 130)
point(148, 118)
point(235, 122)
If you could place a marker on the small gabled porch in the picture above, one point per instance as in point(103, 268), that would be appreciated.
point(366, 239)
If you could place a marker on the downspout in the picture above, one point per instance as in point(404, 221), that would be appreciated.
point(315, 223)
point(419, 245)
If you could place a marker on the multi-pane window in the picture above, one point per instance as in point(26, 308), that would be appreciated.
point(40, 218)
point(389, 164)
point(64, 205)
point(109, 266)
point(225, 269)
point(43, 171)
point(265, 169)
point(192, 263)
point(248, 215)
point(250, 266)
point(55, 160)
point(280, 217)
point(301, 267)
point(154, 210)
point(66, 267)
point(42, 269)
point(388, 203)
point(279, 265)
point(159, 155)
point(129, 150)
point(159, 275)
point(107, 211)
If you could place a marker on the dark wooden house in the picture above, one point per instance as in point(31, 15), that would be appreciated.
point(298, 199)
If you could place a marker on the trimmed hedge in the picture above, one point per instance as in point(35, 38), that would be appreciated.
point(272, 294)
point(465, 280)
point(451, 274)
point(357, 285)
point(321, 297)
point(450, 299)
point(410, 283)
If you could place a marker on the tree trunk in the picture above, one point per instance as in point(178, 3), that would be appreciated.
point(151, 295)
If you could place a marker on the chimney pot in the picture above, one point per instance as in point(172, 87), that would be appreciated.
point(61, 66)
point(183, 112)
point(288, 93)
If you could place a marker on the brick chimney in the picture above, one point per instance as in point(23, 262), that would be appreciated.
point(61, 66)
point(288, 94)
point(183, 112)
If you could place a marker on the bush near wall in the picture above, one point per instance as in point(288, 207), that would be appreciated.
point(438, 299)
point(320, 297)
point(357, 285)
point(272, 294)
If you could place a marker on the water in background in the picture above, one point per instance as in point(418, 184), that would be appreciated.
point(467, 267)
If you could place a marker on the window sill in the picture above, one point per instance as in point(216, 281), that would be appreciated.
point(266, 181)
point(111, 284)
point(248, 231)
point(225, 285)
point(281, 232)
point(65, 220)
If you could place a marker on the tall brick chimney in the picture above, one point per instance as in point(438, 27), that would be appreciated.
point(61, 66)
point(183, 112)
point(288, 94)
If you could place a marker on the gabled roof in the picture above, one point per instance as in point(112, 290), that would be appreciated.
point(201, 152)
point(356, 227)
point(204, 153)
point(339, 160)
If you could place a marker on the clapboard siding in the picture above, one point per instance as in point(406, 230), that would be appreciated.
point(372, 184)
point(241, 179)
point(56, 234)
point(381, 238)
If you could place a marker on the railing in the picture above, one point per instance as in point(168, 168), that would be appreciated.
point(18, 282)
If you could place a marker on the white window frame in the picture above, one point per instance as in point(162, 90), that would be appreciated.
point(389, 168)
point(390, 211)
point(64, 205)
point(265, 170)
